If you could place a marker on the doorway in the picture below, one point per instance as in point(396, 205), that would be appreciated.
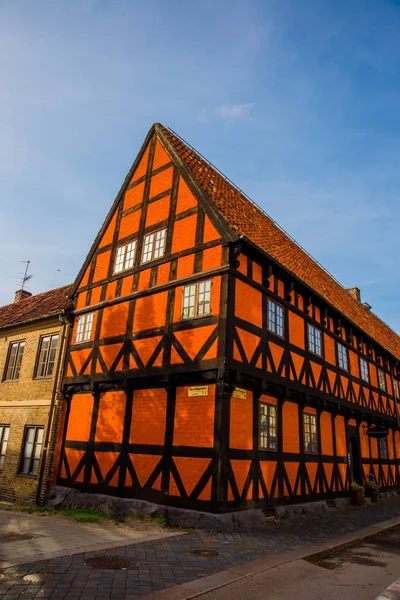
point(354, 454)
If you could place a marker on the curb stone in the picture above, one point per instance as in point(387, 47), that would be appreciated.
point(314, 552)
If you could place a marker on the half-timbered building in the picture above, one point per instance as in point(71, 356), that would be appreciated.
point(213, 363)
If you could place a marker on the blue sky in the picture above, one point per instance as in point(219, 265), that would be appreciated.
point(297, 102)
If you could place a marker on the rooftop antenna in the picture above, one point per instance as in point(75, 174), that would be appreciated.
point(24, 277)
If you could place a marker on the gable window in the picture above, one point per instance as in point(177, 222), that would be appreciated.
point(196, 299)
point(32, 450)
point(4, 432)
point(125, 257)
point(310, 433)
point(383, 448)
point(47, 355)
point(275, 318)
point(13, 366)
point(342, 357)
point(381, 380)
point(314, 340)
point(84, 328)
point(154, 245)
point(268, 430)
point(364, 373)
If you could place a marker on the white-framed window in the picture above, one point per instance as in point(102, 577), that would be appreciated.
point(342, 357)
point(84, 328)
point(275, 318)
point(268, 427)
point(4, 433)
point(14, 360)
point(314, 340)
point(381, 380)
point(196, 299)
point(310, 433)
point(364, 372)
point(154, 245)
point(125, 257)
point(32, 449)
point(47, 355)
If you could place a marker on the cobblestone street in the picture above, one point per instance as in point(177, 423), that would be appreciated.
point(156, 565)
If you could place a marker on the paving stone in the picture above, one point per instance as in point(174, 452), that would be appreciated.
point(164, 563)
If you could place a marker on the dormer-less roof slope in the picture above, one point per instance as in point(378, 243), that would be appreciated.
point(36, 307)
point(248, 220)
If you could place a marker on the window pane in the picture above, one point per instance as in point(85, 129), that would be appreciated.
point(188, 302)
point(34, 468)
point(25, 465)
point(159, 243)
point(204, 298)
point(148, 247)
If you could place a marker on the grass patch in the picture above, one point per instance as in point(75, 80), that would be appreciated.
point(82, 516)
point(157, 519)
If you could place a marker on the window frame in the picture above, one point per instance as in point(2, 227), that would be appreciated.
point(3, 443)
point(396, 389)
point(196, 300)
point(311, 417)
point(362, 361)
point(84, 340)
point(276, 306)
point(32, 458)
point(311, 326)
point(18, 343)
point(345, 351)
point(268, 436)
point(124, 261)
point(47, 361)
point(385, 450)
point(154, 233)
point(381, 379)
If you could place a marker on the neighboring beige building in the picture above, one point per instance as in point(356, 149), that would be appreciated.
point(33, 333)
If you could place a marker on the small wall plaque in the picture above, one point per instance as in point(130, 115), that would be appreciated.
point(239, 393)
point(198, 390)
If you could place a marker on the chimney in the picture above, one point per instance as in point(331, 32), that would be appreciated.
point(21, 295)
point(355, 292)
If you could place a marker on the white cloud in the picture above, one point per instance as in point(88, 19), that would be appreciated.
point(226, 112)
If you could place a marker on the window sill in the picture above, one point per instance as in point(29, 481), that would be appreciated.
point(42, 377)
point(26, 476)
point(198, 317)
point(10, 380)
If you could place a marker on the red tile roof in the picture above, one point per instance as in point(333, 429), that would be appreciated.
point(250, 221)
point(36, 307)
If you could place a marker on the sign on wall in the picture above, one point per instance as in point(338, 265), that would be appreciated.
point(198, 390)
point(239, 393)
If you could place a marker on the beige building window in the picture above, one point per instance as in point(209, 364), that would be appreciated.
point(14, 360)
point(47, 355)
point(4, 432)
point(32, 450)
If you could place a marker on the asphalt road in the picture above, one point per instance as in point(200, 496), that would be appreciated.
point(358, 573)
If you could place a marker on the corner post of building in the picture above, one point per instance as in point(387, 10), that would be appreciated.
point(224, 390)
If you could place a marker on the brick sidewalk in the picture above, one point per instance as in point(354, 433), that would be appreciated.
point(156, 565)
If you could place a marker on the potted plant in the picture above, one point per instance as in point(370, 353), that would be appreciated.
point(357, 493)
point(373, 488)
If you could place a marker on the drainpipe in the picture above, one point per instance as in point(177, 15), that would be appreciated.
point(53, 402)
